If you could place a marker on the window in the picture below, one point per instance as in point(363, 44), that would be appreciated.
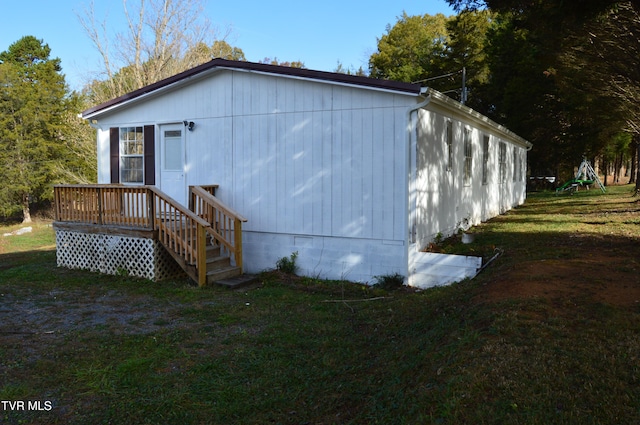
point(516, 164)
point(449, 146)
point(468, 157)
point(502, 161)
point(485, 159)
point(173, 150)
point(131, 155)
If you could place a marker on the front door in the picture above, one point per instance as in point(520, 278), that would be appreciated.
point(172, 158)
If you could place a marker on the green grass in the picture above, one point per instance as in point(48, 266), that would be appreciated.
point(105, 349)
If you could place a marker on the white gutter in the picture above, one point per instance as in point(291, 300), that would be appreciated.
point(452, 105)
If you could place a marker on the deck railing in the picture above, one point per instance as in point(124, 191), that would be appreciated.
point(225, 225)
point(127, 206)
point(180, 230)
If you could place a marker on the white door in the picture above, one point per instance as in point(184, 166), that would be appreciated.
point(172, 179)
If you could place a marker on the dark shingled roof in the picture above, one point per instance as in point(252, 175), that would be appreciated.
point(260, 67)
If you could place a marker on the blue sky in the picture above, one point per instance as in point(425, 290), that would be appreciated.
point(318, 33)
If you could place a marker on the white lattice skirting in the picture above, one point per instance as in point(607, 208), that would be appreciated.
point(114, 254)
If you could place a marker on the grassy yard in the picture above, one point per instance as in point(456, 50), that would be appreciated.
point(549, 333)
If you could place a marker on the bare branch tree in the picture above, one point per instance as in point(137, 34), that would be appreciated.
point(161, 39)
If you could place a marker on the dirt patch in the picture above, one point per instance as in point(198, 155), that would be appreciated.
point(57, 312)
point(597, 276)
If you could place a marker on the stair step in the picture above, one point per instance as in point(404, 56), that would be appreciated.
point(219, 262)
point(213, 251)
point(224, 273)
point(238, 281)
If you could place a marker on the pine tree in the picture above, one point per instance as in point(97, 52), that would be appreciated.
point(33, 120)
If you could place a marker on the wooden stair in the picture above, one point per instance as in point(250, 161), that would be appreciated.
point(219, 266)
point(202, 238)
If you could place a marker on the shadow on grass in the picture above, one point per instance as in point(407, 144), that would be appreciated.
point(533, 340)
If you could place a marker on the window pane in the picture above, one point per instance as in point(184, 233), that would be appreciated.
point(131, 169)
point(173, 150)
point(468, 157)
point(131, 151)
point(485, 160)
point(502, 160)
point(449, 146)
point(132, 148)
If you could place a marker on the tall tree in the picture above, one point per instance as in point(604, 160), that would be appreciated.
point(162, 39)
point(563, 75)
point(33, 110)
point(434, 50)
point(466, 49)
point(411, 50)
point(222, 49)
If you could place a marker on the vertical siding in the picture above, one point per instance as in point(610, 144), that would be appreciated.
point(293, 156)
point(330, 158)
point(443, 202)
point(315, 167)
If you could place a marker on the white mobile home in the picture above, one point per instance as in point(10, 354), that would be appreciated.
point(355, 174)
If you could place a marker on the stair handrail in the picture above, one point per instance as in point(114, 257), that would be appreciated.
point(225, 224)
point(181, 231)
point(188, 242)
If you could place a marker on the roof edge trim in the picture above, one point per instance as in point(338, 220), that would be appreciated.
point(302, 73)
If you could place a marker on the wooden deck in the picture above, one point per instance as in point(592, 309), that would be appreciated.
point(204, 239)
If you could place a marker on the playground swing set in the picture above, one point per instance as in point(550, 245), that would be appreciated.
point(585, 177)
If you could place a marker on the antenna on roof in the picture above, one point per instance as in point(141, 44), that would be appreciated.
point(463, 71)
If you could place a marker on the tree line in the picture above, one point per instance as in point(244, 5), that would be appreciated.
point(562, 75)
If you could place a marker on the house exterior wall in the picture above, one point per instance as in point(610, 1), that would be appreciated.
point(315, 168)
point(347, 177)
point(443, 202)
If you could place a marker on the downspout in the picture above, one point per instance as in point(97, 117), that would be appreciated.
point(411, 167)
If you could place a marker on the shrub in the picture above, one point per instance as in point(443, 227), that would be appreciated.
point(389, 282)
point(288, 265)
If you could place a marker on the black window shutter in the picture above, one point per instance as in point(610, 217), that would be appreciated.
point(149, 155)
point(114, 148)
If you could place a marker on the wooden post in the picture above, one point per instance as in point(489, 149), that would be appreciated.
point(201, 247)
point(56, 202)
point(237, 227)
point(152, 209)
point(100, 218)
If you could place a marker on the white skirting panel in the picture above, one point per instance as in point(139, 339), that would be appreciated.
point(428, 269)
point(352, 259)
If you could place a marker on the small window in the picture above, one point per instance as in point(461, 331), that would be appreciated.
point(502, 161)
point(516, 165)
point(485, 159)
point(449, 146)
point(468, 157)
point(131, 155)
point(173, 150)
